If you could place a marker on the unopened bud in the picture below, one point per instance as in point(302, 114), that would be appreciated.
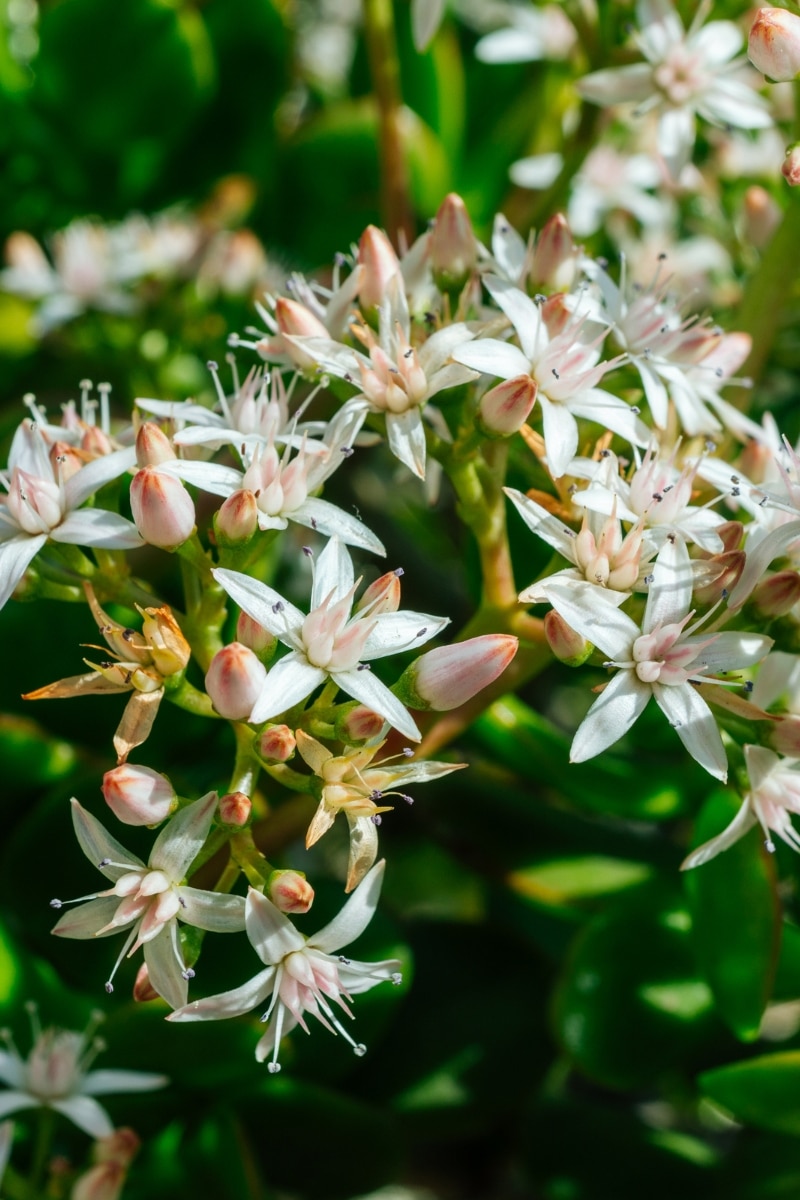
point(356, 724)
point(95, 442)
point(121, 1147)
point(761, 216)
point(568, 646)
point(65, 460)
point(756, 460)
point(504, 409)
point(162, 508)
point(784, 736)
point(380, 267)
point(290, 891)
point(450, 675)
point(555, 257)
point(295, 319)
point(153, 447)
point(731, 533)
point(103, 1182)
point(255, 637)
point(453, 248)
point(235, 809)
point(143, 990)
point(774, 44)
point(234, 681)
point(237, 519)
point(277, 744)
point(777, 596)
point(382, 596)
point(137, 795)
point(791, 165)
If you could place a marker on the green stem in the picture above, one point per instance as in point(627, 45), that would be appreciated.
point(186, 696)
point(246, 767)
point(385, 71)
point(205, 602)
point(41, 1151)
point(478, 483)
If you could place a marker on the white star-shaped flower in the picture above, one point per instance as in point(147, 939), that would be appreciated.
point(331, 642)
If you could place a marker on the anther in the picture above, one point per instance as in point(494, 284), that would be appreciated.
point(347, 451)
point(359, 1050)
point(363, 667)
point(273, 1067)
point(344, 960)
point(376, 818)
point(396, 979)
point(212, 366)
point(556, 374)
point(108, 985)
point(399, 572)
point(423, 631)
point(56, 904)
point(309, 553)
point(277, 606)
point(408, 752)
point(188, 973)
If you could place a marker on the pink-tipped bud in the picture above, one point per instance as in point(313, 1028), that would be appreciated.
point(65, 460)
point(761, 216)
point(791, 165)
point(555, 257)
point(277, 744)
point(774, 44)
point(121, 1147)
point(153, 447)
point(290, 891)
point(235, 809)
point(731, 533)
point(382, 596)
point(143, 990)
point(568, 646)
point(234, 681)
point(255, 637)
point(784, 736)
point(162, 508)
point(356, 724)
point(450, 675)
point(777, 596)
point(379, 267)
point(453, 248)
point(504, 409)
point(237, 519)
point(137, 795)
point(298, 321)
point(103, 1182)
point(95, 443)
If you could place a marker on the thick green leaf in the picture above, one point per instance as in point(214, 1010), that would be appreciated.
point(631, 1006)
point(735, 919)
point(761, 1091)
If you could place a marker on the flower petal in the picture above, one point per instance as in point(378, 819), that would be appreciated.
point(183, 837)
point(214, 911)
point(327, 518)
point(392, 633)
point(87, 919)
point(270, 931)
point(15, 557)
point(364, 686)
point(405, 434)
point(228, 1004)
point(104, 1083)
point(163, 958)
point(593, 616)
point(493, 357)
point(96, 527)
point(97, 844)
point(521, 312)
point(694, 723)
point(289, 680)
point(333, 573)
point(744, 820)
point(260, 602)
point(94, 475)
point(619, 705)
point(354, 917)
point(86, 1113)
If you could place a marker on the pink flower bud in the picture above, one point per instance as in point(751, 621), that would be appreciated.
point(298, 321)
point(791, 165)
point(356, 724)
point(235, 809)
point(731, 533)
point(121, 1147)
point(555, 257)
point(277, 744)
point(290, 891)
point(567, 645)
point(143, 990)
point(774, 44)
point(761, 216)
point(380, 267)
point(777, 596)
point(784, 736)
point(255, 637)
point(163, 510)
point(153, 447)
point(137, 795)
point(103, 1182)
point(382, 596)
point(96, 443)
point(453, 248)
point(451, 675)
point(506, 407)
point(65, 460)
point(234, 681)
point(237, 519)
